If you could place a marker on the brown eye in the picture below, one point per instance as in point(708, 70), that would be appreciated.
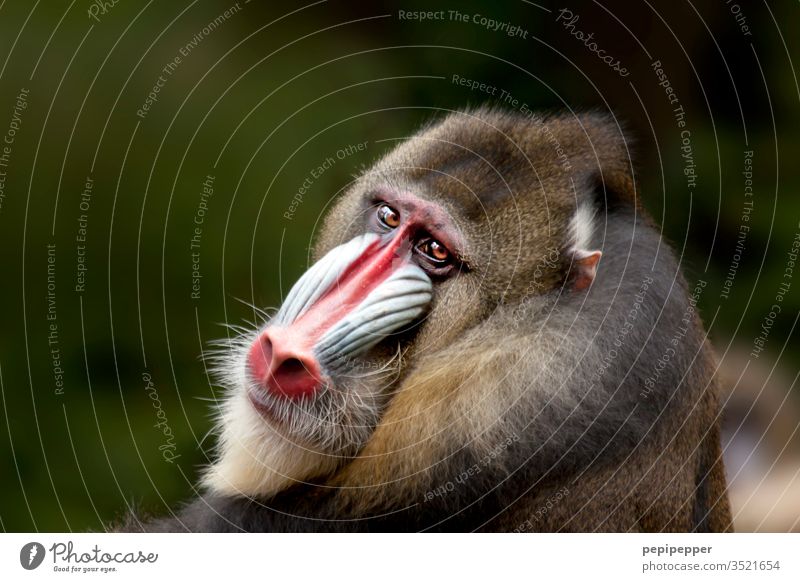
point(434, 250)
point(388, 216)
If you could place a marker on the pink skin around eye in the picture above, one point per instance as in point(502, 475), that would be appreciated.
point(417, 213)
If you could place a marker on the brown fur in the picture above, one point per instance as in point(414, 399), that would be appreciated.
point(501, 382)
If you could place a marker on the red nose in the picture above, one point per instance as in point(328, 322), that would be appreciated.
point(282, 358)
point(280, 362)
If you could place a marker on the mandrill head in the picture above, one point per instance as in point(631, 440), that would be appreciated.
point(475, 213)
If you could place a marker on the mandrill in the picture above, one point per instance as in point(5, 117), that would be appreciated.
point(494, 337)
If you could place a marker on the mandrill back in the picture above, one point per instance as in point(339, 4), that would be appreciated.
point(542, 363)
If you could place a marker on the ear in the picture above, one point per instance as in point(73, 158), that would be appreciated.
point(584, 258)
point(584, 268)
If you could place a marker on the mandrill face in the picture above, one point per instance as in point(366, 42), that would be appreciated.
point(310, 372)
point(308, 388)
point(396, 280)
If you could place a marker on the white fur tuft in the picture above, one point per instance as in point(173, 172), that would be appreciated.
point(255, 460)
point(582, 227)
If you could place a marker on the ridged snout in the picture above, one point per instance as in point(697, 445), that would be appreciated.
point(349, 301)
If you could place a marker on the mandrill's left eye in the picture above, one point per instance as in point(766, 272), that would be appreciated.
point(434, 251)
point(388, 216)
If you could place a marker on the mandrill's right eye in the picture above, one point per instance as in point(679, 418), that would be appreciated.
point(388, 216)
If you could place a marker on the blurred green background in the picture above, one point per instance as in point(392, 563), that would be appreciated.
point(263, 94)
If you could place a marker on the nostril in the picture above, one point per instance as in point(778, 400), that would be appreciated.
point(266, 348)
point(283, 365)
point(260, 357)
point(290, 368)
point(294, 377)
